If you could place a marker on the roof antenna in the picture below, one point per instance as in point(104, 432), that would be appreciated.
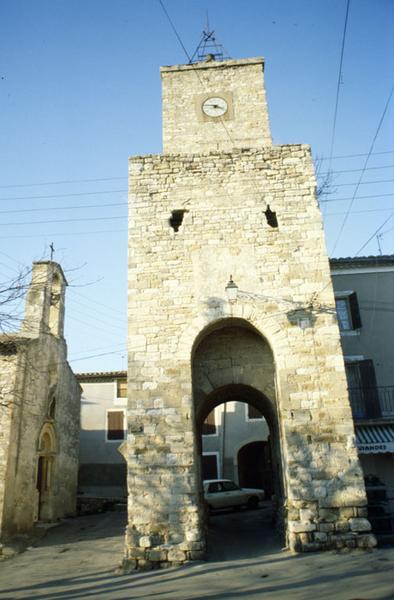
point(208, 48)
point(378, 238)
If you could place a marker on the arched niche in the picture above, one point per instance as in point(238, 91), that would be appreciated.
point(47, 440)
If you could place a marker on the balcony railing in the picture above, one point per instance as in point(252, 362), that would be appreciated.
point(372, 403)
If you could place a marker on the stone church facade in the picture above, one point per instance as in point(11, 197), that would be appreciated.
point(39, 411)
point(222, 203)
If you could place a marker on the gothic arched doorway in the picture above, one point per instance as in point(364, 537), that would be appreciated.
point(45, 467)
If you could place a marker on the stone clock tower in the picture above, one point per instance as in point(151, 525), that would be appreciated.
point(214, 106)
point(223, 201)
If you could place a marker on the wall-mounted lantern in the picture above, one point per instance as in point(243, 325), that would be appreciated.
point(231, 290)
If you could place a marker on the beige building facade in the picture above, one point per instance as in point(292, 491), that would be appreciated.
point(39, 411)
point(223, 202)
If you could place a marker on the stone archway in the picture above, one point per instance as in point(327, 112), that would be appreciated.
point(231, 361)
point(293, 383)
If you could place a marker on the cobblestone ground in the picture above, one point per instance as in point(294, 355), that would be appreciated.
point(78, 560)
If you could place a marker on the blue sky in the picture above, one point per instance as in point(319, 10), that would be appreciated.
point(80, 92)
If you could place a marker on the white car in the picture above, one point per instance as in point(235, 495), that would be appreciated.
point(224, 493)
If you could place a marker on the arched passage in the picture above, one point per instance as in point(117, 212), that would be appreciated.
point(233, 363)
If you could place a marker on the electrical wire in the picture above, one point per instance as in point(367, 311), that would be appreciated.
point(97, 302)
point(63, 182)
point(62, 234)
point(338, 86)
point(358, 212)
point(100, 312)
point(174, 30)
point(77, 207)
point(358, 198)
point(363, 182)
point(46, 197)
point(362, 172)
point(356, 155)
point(63, 221)
point(374, 233)
point(124, 177)
point(356, 170)
point(124, 203)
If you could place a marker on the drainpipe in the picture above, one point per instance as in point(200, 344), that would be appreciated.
point(224, 436)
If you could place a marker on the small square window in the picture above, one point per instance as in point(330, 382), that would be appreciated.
point(121, 388)
point(115, 425)
point(253, 413)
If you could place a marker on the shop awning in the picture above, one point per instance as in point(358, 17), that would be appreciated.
point(375, 439)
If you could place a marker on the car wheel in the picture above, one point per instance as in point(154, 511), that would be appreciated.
point(253, 502)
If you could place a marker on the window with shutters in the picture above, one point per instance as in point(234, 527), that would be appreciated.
point(209, 425)
point(363, 391)
point(115, 425)
point(348, 312)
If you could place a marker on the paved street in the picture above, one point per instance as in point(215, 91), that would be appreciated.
point(78, 560)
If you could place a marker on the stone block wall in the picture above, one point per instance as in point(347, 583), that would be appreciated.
point(8, 366)
point(42, 373)
point(177, 282)
point(38, 392)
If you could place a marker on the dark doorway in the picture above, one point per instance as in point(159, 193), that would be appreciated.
point(209, 466)
point(255, 467)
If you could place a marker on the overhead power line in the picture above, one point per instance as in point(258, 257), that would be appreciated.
point(358, 212)
point(338, 85)
point(124, 177)
point(62, 234)
point(124, 203)
point(63, 221)
point(46, 197)
point(364, 167)
point(61, 182)
point(46, 208)
point(323, 173)
point(363, 182)
point(374, 233)
point(106, 306)
point(356, 155)
point(358, 198)
point(174, 30)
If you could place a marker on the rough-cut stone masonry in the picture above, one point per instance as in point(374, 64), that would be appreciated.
point(177, 279)
point(39, 396)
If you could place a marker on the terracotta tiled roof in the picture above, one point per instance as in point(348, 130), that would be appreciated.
point(362, 261)
point(96, 375)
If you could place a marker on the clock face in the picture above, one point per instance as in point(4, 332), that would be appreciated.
point(215, 106)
